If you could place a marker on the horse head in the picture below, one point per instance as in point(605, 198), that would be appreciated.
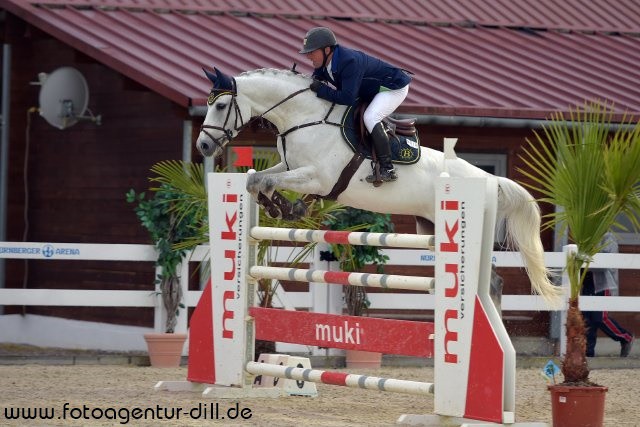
point(280, 96)
point(224, 119)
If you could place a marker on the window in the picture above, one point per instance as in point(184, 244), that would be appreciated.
point(627, 237)
point(495, 164)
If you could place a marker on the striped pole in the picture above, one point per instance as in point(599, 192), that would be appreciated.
point(394, 240)
point(387, 281)
point(340, 378)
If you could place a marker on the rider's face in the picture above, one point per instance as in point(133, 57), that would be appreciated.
point(316, 57)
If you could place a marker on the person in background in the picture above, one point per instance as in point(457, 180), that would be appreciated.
point(357, 75)
point(604, 282)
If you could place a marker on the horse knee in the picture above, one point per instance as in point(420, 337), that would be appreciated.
point(253, 183)
point(268, 184)
point(257, 183)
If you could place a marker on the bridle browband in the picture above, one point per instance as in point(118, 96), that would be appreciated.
point(227, 133)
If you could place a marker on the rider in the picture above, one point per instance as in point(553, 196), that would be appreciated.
point(355, 74)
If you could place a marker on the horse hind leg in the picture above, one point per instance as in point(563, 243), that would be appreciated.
point(423, 226)
point(495, 289)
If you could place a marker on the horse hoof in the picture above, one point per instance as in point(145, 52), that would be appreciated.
point(289, 217)
point(299, 209)
point(273, 212)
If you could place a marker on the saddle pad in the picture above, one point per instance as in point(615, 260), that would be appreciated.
point(404, 150)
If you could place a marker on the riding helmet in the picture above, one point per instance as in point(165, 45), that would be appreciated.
point(318, 38)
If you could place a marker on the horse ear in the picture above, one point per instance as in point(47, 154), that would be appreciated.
point(222, 81)
point(210, 75)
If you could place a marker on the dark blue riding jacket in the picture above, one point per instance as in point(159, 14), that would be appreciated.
point(358, 75)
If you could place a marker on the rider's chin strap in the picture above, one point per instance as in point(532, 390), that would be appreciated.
point(325, 55)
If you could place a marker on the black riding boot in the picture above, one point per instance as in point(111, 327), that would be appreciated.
point(383, 153)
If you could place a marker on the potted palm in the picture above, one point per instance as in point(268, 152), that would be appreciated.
point(355, 258)
point(590, 170)
point(169, 222)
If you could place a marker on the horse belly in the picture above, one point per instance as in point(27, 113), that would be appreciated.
point(403, 197)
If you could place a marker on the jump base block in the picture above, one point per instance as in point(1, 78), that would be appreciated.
point(431, 420)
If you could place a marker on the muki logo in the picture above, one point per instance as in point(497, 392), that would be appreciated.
point(345, 332)
point(449, 248)
point(229, 234)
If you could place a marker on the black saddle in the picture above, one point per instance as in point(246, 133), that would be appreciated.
point(403, 135)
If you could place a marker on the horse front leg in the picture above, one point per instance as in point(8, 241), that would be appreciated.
point(301, 180)
point(271, 208)
point(255, 186)
point(290, 211)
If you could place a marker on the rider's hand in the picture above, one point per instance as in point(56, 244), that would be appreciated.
point(315, 85)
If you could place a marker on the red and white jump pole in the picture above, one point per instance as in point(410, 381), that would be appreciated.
point(340, 378)
point(344, 237)
point(474, 358)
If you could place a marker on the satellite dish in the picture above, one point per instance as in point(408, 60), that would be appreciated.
point(64, 97)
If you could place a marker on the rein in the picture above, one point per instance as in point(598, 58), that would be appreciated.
point(346, 174)
point(283, 135)
point(228, 133)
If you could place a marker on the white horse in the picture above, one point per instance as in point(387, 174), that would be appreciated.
point(313, 156)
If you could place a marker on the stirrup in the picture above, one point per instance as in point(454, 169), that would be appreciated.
point(386, 175)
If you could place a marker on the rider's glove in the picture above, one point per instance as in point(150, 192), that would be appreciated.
point(315, 85)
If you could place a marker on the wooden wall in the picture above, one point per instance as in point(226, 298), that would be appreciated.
point(77, 178)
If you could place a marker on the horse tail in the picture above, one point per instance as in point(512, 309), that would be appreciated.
point(522, 215)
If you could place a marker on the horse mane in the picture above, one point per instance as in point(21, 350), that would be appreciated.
point(277, 73)
point(291, 79)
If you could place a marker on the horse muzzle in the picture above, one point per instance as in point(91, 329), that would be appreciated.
point(206, 147)
point(209, 146)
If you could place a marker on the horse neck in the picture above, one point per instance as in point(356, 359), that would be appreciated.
point(262, 92)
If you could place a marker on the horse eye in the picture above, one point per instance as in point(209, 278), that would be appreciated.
point(221, 106)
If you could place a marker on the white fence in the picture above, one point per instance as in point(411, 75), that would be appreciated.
point(316, 301)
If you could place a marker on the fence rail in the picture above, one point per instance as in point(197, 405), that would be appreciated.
point(147, 253)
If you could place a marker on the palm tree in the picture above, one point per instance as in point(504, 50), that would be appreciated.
point(590, 169)
point(171, 220)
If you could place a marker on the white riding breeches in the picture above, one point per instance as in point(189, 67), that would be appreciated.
point(383, 104)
